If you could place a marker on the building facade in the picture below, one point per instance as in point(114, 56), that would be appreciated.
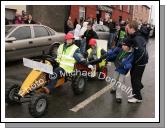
point(116, 12)
point(85, 11)
point(10, 11)
point(141, 13)
point(53, 16)
point(122, 12)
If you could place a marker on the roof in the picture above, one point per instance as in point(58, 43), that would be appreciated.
point(22, 24)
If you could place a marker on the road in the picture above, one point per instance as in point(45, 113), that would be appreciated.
point(104, 106)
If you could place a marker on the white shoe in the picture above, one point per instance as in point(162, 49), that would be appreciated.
point(134, 100)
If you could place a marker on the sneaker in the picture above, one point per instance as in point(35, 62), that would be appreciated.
point(118, 100)
point(134, 100)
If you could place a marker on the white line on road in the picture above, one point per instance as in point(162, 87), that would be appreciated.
point(91, 98)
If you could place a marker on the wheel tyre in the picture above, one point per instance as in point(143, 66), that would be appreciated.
point(38, 105)
point(9, 93)
point(79, 85)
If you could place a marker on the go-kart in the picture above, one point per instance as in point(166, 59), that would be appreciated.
point(32, 89)
point(95, 70)
point(100, 72)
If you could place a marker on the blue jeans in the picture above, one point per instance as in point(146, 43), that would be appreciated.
point(54, 78)
point(78, 43)
point(110, 39)
point(83, 46)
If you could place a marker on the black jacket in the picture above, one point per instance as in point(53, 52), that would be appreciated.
point(112, 27)
point(31, 22)
point(96, 61)
point(89, 34)
point(145, 31)
point(140, 51)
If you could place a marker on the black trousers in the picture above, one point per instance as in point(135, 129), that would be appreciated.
point(136, 77)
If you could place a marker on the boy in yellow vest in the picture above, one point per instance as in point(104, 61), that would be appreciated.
point(95, 54)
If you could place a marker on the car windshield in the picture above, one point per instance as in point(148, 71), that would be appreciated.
point(8, 29)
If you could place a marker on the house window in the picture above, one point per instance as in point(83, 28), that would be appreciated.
point(82, 12)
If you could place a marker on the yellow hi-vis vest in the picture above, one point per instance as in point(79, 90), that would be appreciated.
point(101, 64)
point(65, 57)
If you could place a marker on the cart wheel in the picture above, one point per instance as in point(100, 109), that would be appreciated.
point(79, 84)
point(38, 105)
point(11, 94)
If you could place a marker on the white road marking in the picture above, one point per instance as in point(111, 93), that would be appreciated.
point(91, 98)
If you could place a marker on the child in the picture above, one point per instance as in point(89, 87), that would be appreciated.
point(123, 58)
point(121, 33)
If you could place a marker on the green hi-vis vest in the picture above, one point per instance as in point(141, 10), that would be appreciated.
point(65, 57)
point(122, 34)
point(101, 64)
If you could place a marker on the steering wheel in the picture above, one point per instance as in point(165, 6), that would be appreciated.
point(47, 56)
point(51, 59)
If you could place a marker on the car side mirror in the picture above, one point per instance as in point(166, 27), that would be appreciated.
point(10, 39)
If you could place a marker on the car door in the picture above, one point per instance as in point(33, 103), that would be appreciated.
point(42, 38)
point(20, 47)
point(57, 37)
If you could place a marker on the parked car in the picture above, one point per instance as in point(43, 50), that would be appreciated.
point(28, 40)
point(102, 31)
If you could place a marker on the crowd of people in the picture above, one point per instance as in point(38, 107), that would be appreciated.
point(117, 30)
point(21, 19)
point(126, 48)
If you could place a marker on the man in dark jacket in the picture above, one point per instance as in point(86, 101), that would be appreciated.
point(140, 61)
point(145, 31)
point(30, 20)
point(68, 25)
point(111, 38)
point(89, 34)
